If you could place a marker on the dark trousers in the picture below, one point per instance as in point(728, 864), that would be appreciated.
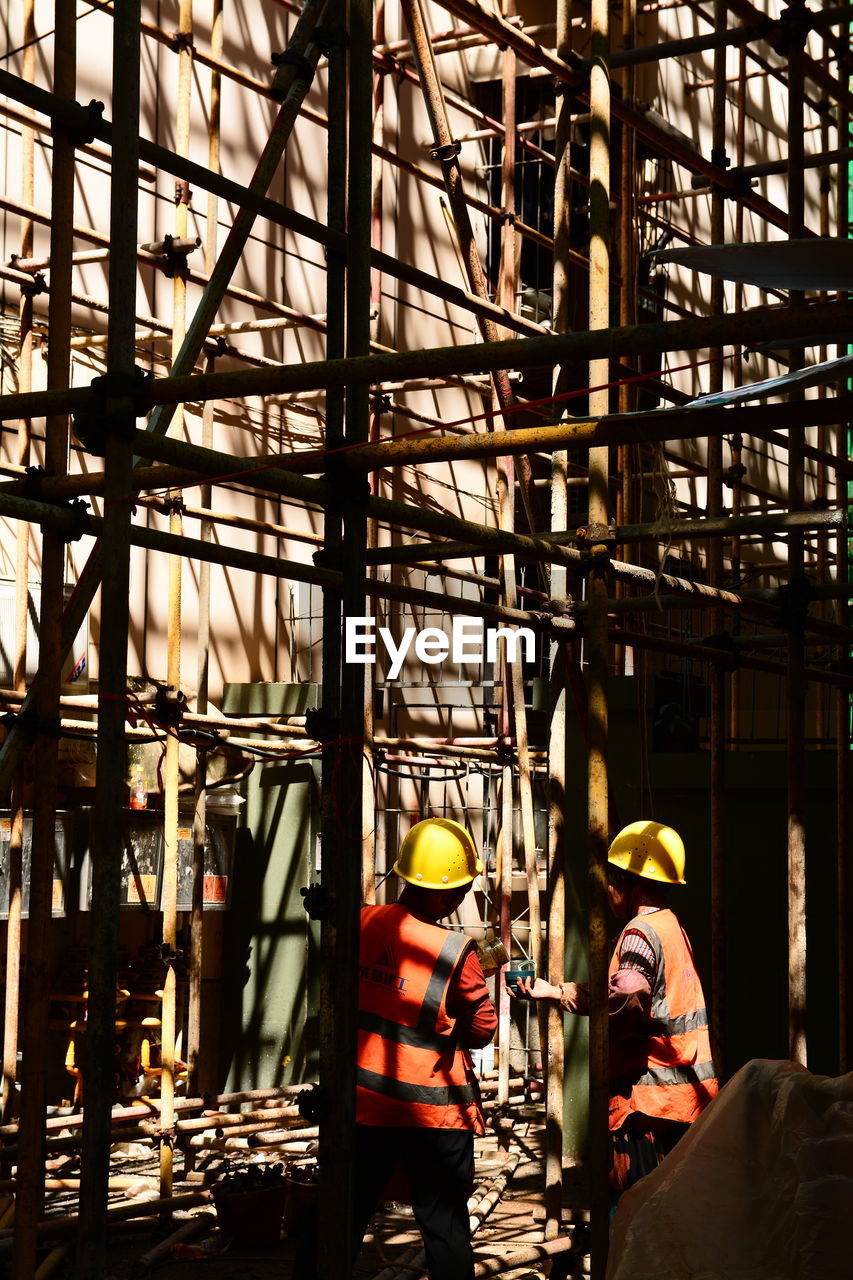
point(638, 1148)
point(440, 1168)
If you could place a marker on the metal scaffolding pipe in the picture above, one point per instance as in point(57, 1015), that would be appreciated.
point(724, 39)
point(598, 825)
point(796, 685)
point(756, 325)
point(45, 747)
point(553, 1049)
point(22, 575)
point(715, 510)
point(114, 573)
point(446, 151)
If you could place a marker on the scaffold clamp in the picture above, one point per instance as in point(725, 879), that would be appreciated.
point(90, 119)
point(79, 509)
point(169, 705)
point(318, 902)
point(120, 397)
point(446, 152)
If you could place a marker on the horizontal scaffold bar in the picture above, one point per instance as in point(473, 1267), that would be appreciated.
point(618, 428)
point(819, 321)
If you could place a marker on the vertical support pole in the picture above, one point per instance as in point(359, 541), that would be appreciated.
point(628, 287)
point(171, 770)
point(22, 575)
point(343, 760)
point(737, 469)
point(446, 152)
point(597, 811)
point(107, 818)
point(554, 1050)
point(844, 880)
point(505, 889)
point(195, 1068)
point(796, 717)
point(46, 745)
point(370, 791)
point(506, 498)
point(715, 577)
point(842, 816)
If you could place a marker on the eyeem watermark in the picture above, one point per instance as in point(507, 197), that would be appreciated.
point(468, 641)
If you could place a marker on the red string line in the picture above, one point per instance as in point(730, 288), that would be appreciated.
point(523, 405)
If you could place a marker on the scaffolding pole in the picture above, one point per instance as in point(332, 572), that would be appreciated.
point(22, 576)
point(45, 747)
point(596, 643)
point(107, 825)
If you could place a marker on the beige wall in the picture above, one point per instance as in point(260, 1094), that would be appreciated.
point(254, 634)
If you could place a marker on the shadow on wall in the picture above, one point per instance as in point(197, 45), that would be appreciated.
point(269, 953)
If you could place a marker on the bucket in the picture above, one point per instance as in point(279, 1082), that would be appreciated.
point(300, 1205)
point(252, 1219)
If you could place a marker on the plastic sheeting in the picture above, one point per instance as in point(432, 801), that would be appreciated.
point(826, 372)
point(818, 263)
point(761, 1187)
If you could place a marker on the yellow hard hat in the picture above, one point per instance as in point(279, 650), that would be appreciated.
point(650, 850)
point(438, 854)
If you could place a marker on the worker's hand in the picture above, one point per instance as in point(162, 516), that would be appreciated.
point(536, 989)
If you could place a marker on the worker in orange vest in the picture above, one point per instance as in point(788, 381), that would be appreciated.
point(661, 1072)
point(423, 1004)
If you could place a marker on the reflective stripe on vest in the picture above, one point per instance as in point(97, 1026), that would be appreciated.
point(410, 1070)
point(664, 1069)
point(424, 1094)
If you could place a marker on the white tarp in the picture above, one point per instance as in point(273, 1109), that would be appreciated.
point(824, 263)
point(827, 371)
point(760, 1188)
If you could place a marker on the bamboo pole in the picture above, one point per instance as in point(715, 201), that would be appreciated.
point(45, 747)
point(22, 575)
point(107, 826)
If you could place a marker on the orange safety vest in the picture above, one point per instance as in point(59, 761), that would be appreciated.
point(661, 1066)
point(410, 1070)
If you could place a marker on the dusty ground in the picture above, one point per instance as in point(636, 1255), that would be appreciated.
point(515, 1221)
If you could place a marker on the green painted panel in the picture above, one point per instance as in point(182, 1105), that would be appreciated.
point(269, 952)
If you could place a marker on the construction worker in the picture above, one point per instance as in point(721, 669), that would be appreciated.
point(661, 1073)
point(423, 1004)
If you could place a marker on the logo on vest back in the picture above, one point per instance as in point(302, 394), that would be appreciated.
point(382, 973)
